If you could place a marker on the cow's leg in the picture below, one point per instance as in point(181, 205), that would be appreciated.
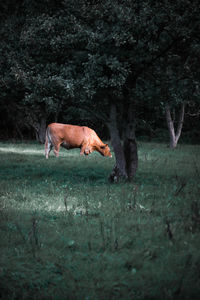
point(48, 147)
point(56, 150)
point(82, 150)
point(85, 150)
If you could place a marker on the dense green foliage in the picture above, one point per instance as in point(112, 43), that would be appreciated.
point(60, 58)
point(67, 234)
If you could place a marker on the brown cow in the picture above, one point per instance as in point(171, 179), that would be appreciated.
point(72, 136)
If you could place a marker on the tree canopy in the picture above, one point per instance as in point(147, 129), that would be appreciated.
point(71, 60)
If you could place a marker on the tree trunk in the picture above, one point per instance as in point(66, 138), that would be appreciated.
point(130, 145)
point(174, 136)
point(18, 130)
point(40, 129)
point(119, 170)
point(126, 154)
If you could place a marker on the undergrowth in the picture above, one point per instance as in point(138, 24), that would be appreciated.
point(66, 233)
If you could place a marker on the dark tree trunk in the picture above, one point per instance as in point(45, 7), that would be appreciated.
point(119, 170)
point(17, 133)
point(174, 135)
point(130, 145)
point(40, 129)
point(126, 154)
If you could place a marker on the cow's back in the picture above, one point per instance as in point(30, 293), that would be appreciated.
point(72, 135)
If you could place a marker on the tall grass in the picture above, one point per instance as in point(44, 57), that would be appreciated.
point(66, 233)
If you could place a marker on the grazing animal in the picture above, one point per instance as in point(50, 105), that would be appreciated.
point(72, 136)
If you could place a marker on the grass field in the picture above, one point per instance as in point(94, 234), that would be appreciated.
point(66, 233)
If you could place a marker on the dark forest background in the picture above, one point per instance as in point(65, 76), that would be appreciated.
point(68, 61)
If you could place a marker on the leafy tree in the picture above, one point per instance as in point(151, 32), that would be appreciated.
point(110, 58)
point(128, 43)
point(177, 75)
point(40, 61)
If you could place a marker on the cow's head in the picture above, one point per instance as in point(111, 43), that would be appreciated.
point(105, 150)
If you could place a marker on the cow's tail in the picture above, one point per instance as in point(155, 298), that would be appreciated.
point(48, 143)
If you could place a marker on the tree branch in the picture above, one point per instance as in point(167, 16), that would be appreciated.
point(180, 121)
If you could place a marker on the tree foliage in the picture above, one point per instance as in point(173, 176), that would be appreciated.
point(61, 59)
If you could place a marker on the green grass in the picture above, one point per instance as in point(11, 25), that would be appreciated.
point(66, 233)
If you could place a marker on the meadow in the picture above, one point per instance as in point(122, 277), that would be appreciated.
point(67, 233)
